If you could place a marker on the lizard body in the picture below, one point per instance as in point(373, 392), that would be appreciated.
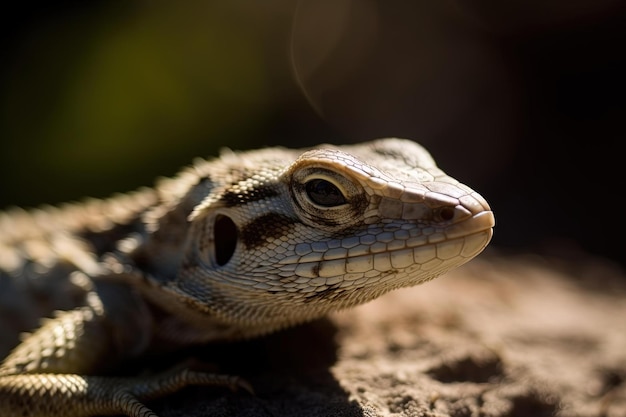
point(231, 248)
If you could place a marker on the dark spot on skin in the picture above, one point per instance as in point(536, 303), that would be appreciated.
point(262, 192)
point(268, 226)
point(331, 293)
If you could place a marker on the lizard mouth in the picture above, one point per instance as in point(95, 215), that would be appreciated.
point(380, 250)
point(478, 223)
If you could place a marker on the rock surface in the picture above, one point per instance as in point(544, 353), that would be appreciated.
point(501, 336)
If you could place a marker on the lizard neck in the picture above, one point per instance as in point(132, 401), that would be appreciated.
point(161, 249)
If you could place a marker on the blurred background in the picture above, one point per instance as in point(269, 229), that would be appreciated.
point(523, 100)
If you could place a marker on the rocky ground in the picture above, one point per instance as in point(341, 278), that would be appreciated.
point(502, 336)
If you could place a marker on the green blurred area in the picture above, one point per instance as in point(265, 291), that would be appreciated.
point(101, 97)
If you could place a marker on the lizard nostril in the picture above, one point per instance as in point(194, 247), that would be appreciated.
point(445, 213)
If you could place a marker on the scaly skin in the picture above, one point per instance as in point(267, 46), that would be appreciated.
point(232, 248)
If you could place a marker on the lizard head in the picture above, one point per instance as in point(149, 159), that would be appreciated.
point(332, 228)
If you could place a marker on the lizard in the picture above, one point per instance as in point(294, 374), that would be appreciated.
point(233, 247)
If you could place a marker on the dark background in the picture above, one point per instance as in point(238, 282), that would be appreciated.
point(522, 100)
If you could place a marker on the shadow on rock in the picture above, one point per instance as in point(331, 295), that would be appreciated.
point(290, 372)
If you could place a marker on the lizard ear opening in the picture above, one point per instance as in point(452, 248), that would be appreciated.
point(225, 236)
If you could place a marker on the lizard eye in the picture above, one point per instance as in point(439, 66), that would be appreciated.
point(324, 193)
